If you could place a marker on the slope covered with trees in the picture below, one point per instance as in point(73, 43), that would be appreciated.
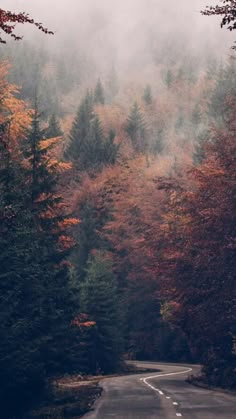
point(168, 223)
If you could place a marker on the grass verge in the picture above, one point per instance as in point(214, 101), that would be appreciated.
point(69, 398)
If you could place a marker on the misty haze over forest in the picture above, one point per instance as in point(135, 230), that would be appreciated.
point(126, 33)
point(134, 37)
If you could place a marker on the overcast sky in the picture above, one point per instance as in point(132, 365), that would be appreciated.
point(71, 15)
point(120, 29)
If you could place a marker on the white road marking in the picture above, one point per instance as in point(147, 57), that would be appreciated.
point(167, 397)
point(178, 414)
point(175, 403)
point(151, 377)
point(153, 388)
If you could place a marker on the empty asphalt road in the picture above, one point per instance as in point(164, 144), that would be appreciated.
point(164, 394)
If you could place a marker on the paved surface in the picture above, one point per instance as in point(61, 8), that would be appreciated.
point(163, 394)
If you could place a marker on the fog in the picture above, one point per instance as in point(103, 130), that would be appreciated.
point(140, 39)
point(124, 32)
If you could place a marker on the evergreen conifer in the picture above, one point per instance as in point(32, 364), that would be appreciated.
point(135, 128)
point(88, 148)
point(53, 129)
point(99, 97)
point(225, 87)
point(147, 95)
point(80, 131)
point(99, 300)
point(169, 79)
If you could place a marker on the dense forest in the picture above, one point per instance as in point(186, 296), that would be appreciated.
point(117, 212)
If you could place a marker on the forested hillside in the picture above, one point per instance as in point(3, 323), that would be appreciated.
point(117, 208)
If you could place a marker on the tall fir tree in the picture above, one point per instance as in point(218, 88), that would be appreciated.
point(169, 79)
point(89, 149)
point(94, 146)
point(111, 149)
point(21, 364)
point(135, 128)
point(197, 122)
point(200, 147)
point(51, 245)
point(147, 95)
point(35, 297)
point(99, 299)
point(99, 96)
point(179, 123)
point(53, 129)
point(225, 87)
point(80, 131)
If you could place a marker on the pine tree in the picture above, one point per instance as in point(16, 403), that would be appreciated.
point(87, 237)
point(147, 95)
point(99, 97)
point(111, 149)
point(225, 87)
point(21, 365)
point(196, 116)
point(200, 144)
point(135, 128)
point(197, 122)
point(157, 144)
point(169, 79)
point(21, 368)
point(80, 131)
point(179, 124)
point(100, 301)
point(94, 146)
point(53, 129)
point(88, 148)
point(34, 294)
point(143, 319)
point(48, 229)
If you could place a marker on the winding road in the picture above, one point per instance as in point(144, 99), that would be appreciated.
point(164, 394)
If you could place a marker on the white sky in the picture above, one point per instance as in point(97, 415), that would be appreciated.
point(121, 25)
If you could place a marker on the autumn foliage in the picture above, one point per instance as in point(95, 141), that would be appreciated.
point(200, 228)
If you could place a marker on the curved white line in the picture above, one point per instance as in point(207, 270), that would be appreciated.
point(162, 375)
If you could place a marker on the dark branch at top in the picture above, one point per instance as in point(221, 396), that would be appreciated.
point(9, 20)
point(227, 11)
